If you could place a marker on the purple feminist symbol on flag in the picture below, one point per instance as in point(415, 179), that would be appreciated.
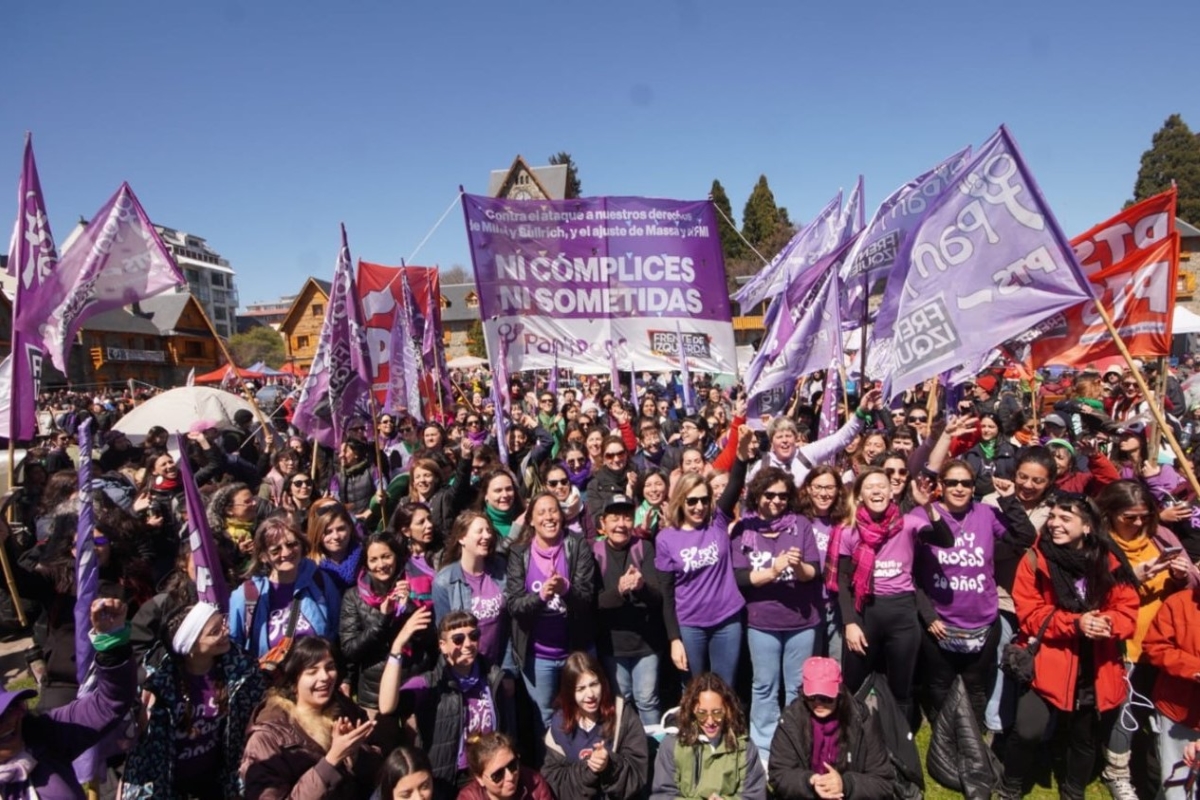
point(341, 369)
point(87, 583)
point(210, 578)
point(118, 260)
point(32, 261)
point(986, 263)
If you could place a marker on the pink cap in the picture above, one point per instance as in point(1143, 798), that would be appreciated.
point(822, 676)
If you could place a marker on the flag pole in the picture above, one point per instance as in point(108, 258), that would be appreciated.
point(1155, 443)
point(268, 434)
point(1159, 419)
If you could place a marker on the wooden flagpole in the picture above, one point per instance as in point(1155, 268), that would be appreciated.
point(1152, 400)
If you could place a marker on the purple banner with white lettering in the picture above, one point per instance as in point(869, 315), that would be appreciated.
point(210, 577)
point(987, 262)
point(588, 279)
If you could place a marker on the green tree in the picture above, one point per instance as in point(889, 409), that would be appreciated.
point(574, 187)
point(476, 345)
point(760, 219)
point(260, 343)
point(1174, 154)
point(732, 245)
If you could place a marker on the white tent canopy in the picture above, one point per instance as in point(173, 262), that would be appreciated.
point(1184, 320)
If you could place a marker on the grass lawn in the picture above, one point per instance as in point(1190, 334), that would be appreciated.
point(935, 791)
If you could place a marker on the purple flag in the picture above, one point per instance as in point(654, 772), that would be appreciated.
point(404, 388)
point(986, 263)
point(31, 259)
point(87, 588)
point(552, 383)
point(340, 376)
point(685, 372)
point(875, 253)
point(828, 424)
point(500, 399)
point(118, 260)
point(813, 242)
point(633, 395)
point(803, 339)
point(210, 577)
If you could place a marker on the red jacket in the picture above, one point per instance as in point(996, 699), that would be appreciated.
point(1056, 665)
point(1100, 473)
point(1173, 645)
point(530, 786)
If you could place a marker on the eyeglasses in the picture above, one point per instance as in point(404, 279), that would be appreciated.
point(716, 714)
point(899, 471)
point(951, 483)
point(773, 496)
point(547, 399)
point(406, 429)
point(459, 638)
point(512, 768)
point(823, 488)
point(697, 501)
point(554, 484)
point(615, 454)
point(278, 549)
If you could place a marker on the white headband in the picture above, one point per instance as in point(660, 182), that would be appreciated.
point(192, 626)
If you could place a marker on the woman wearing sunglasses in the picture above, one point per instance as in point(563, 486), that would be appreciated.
point(775, 560)
point(299, 492)
point(456, 702)
point(549, 593)
point(499, 775)
point(711, 756)
point(958, 600)
point(596, 745)
point(557, 482)
point(1162, 568)
point(873, 577)
point(822, 500)
point(827, 744)
point(1080, 600)
point(284, 597)
point(702, 607)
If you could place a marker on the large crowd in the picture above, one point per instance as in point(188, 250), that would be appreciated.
point(641, 600)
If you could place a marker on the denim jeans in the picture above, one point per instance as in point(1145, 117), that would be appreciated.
point(768, 651)
point(636, 679)
point(541, 681)
point(1002, 702)
point(714, 649)
point(830, 628)
point(1172, 739)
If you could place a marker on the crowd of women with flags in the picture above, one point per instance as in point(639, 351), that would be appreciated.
point(623, 601)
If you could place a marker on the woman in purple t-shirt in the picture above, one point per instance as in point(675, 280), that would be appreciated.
point(957, 597)
point(775, 559)
point(823, 502)
point(873, 576)
point(702, 607)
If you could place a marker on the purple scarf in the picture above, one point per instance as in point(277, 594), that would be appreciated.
point(547, 560)
point(824, 744)
point(580, 478)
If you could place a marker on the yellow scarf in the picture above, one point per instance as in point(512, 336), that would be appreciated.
point(238, 530)
point(1151, 593)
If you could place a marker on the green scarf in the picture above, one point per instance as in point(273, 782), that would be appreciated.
point(1096, 404)
point(501, 520)
point(988, 448)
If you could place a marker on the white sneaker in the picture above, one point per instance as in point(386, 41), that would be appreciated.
point(1121, 789)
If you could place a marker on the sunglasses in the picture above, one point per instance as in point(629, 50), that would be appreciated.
point(918, 419)
point(697, 501)
point(301, 484)
point(100, 541)
point(900, 471)
point(1130, 517)
point(557, 483)
point(575, 462)
point(951, 483)
point(407, 429)
point(1129, 384)
point(773, 496)
point(716, 714)
point(459, 638)
point(547, 399)
point(473, 423)
point(512, 767)
point(615, 454)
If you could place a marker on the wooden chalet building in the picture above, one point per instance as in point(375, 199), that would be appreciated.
point(301, 326)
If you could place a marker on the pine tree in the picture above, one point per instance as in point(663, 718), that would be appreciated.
point(574, 186)
point(1174, 154)
point(732, 245)
point(760, 219)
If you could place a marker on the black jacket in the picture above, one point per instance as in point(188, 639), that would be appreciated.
point(525, 607)
point(863, 762)
point(366, 637)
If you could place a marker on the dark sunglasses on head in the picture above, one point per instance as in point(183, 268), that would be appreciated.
point(697, 501)
point(512, 768)
point(951, 483)
point(459, 638)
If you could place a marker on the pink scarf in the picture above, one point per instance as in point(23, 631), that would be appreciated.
point(872, 535)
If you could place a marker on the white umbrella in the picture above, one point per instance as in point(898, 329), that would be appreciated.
point(466, 362)
point(179, 409)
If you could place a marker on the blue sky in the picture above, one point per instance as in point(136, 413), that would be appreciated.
point(261, 125)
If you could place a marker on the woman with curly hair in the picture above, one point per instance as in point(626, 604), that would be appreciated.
point(711, 756)
point(596, 745)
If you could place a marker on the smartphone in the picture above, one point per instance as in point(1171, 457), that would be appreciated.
point(1169, 553)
